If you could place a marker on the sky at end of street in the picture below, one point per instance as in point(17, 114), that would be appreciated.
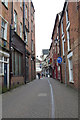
point(45, 14)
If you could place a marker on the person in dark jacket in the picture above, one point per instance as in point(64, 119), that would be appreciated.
point(39, 75)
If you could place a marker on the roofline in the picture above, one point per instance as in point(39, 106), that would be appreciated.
point(63, 11)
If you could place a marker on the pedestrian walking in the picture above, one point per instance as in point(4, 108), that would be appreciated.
point(39, 75)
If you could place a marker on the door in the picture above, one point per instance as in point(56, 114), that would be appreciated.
point(5, 74)
point(70, 69)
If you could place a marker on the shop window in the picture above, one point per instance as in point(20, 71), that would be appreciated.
point(20, 62)
point(16, 63)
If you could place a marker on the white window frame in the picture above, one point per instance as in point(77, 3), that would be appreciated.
point(32, 45)
point(20, 29)
point(20, 3)
point(68, 40)
point(5, 2)
point(67, 27)
point(62, 26)
point(69, 56)
point(58, 47)
point(26, 12)
point(26, 36)
point(4, 54)
point(31, 25)
point(62, 36)
point(15, 20)
point(5, 29)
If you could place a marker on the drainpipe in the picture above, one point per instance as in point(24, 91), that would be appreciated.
point(10, 41)
point(60, 56)
point(10, 58)
point(24, 38)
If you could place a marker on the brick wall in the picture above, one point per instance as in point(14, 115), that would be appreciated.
point(73, 18)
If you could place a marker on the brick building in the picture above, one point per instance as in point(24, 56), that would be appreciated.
point(66, 31)
point(51, 60)
point(56, 50)
point(69, 31)
point(21, 39)
point(5, 21)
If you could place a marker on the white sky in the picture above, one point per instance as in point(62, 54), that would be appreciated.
point(45, 14)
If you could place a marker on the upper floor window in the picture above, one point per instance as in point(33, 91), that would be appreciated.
point(4, 29)
point(26, 36)
point(15, 20)
point(32, 45)
point(31, 25)
point(31, 10)
point(21, 30)
point(58, 47)
point(26, 12)
point(5, 2)
point(67, 19)
point(21, 3)
point(62, 26)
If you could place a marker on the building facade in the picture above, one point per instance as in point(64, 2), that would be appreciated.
point(5, 21)
point(56, 49)
point(67, 34)
point(69, 31)
point(21, 42)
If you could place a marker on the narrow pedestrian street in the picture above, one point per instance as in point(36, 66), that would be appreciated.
point(43, 98)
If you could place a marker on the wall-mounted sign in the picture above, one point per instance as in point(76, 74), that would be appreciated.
point(59, 60)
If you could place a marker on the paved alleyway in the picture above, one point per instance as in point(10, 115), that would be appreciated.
point(36, 100)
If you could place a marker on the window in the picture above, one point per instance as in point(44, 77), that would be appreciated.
point(31, 9)
point(26, 36)
point(31, 25)
point(63, 46)
point(58, 47)
point(1, 67)
point(4, 29)
point(20, 67)
point(26, 12)
point(13, 62)
point(55, 49)
point(62, 36)
point(32, 45)
point(68, 40)
point(67, 15)
point(62, 26)
point(16, 63)
point(5, 2)
point(21, 30)
point(67, 29)
point(15, 21)
point(21, 3)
